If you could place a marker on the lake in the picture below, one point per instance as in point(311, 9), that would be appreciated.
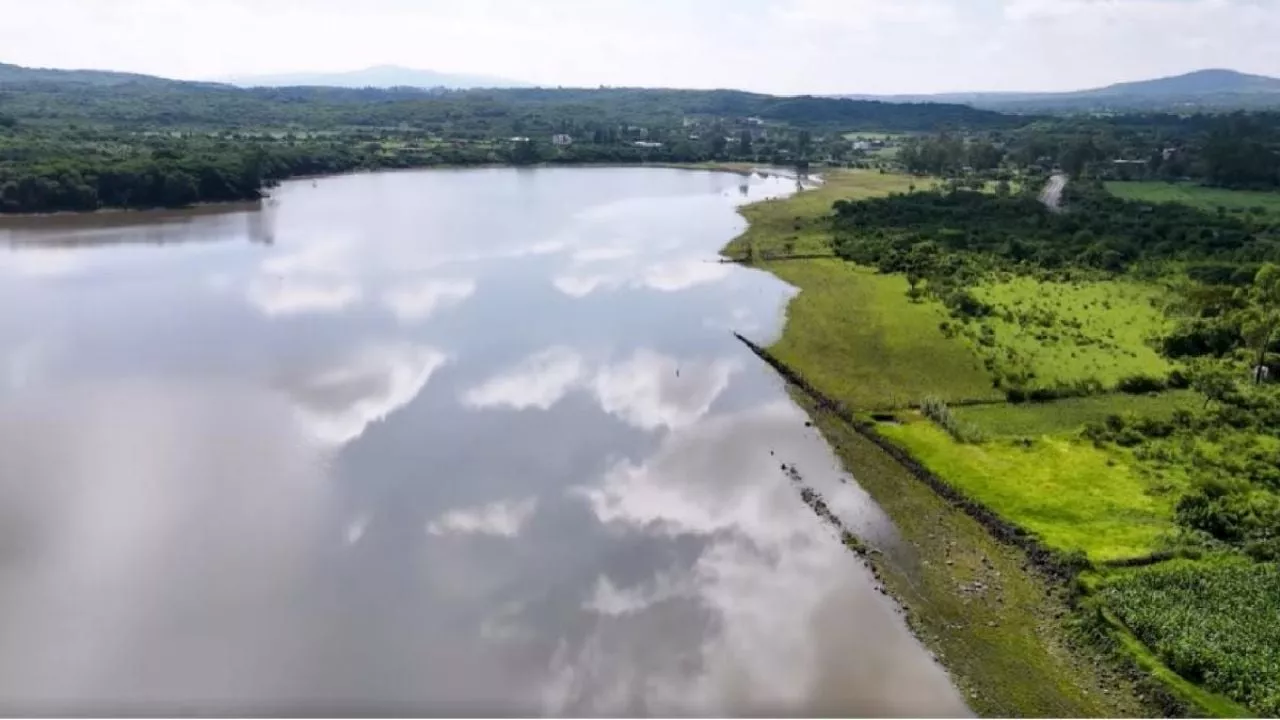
point(474, 442)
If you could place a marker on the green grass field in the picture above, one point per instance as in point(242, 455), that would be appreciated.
point(795, 224)
point(1071, 414)
point(1073, 495)
point(1055, 332)
point(1205, 198)
point(854, 334)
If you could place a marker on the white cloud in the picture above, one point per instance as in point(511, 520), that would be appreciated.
point(355, 529)
point(597, 254)
point(665, 276)
point(579, 286)
point(316, 279)
point(278, 296)
point(684, 274)
point(769, 577)
point(648, 390)
point(338, 404)
point(414, 302)
point(833, 46)
point(539, 381)
point(608, 599)
point(652, 391)
point(503, 518)
point(43, 263)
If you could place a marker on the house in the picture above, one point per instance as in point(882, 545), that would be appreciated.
point(561, 139)
point(645, 144)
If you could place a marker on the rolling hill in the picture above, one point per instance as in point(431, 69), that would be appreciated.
point(1212, 89)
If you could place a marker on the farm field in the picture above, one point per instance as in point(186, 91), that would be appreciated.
point(1205, 198)
point(1213, 623)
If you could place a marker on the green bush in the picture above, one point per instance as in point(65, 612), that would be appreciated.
point(962, 432)
point(1140, 385)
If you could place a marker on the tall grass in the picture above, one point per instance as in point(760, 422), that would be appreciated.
point(963, 432)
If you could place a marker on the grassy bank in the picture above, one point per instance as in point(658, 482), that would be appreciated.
point(860, 339)
point(996, 625)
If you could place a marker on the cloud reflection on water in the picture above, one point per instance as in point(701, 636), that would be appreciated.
point(337, 403)
point(648, 390)
point(762, 579)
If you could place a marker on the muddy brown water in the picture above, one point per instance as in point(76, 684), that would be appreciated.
point(424, 442)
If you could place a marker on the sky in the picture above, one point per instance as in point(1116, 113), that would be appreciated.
point(776, 46)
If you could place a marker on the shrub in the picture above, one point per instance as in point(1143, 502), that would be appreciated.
point(1140, 385)
point(962, 432)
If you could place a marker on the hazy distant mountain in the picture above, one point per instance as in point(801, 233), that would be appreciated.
point(1200, 82)
point(381, 76)
point(17, 74)
point(1213, 89)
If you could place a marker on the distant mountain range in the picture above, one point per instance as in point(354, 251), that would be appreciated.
point(1214, 89)
point(14, 74)
point(1209, 89)
point(380, 76)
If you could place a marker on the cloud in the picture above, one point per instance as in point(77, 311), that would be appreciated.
point(578, 286)
point(337, 404)
point(608, 599)
point(768, 582)
point(280, 297)
point(416, 301)
point(539, 381)
point(666, 276)
point(648, 390)
point(683, 274)
point(43, 263)
point(598, 254)
point(913, 45)
point(503, 518)
point(316, 279)
point(652, 391)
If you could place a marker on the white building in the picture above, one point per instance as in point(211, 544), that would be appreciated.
point(561, 139)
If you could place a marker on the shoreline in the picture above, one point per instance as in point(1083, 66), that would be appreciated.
point(993, 605)
point(229, 206)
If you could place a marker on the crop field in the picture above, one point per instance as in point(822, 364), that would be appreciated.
point(1048, 333)
point(1071, 414)
point(1073, 495)
point(1205, 198)
point(1214, 624)
point(855, 335)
